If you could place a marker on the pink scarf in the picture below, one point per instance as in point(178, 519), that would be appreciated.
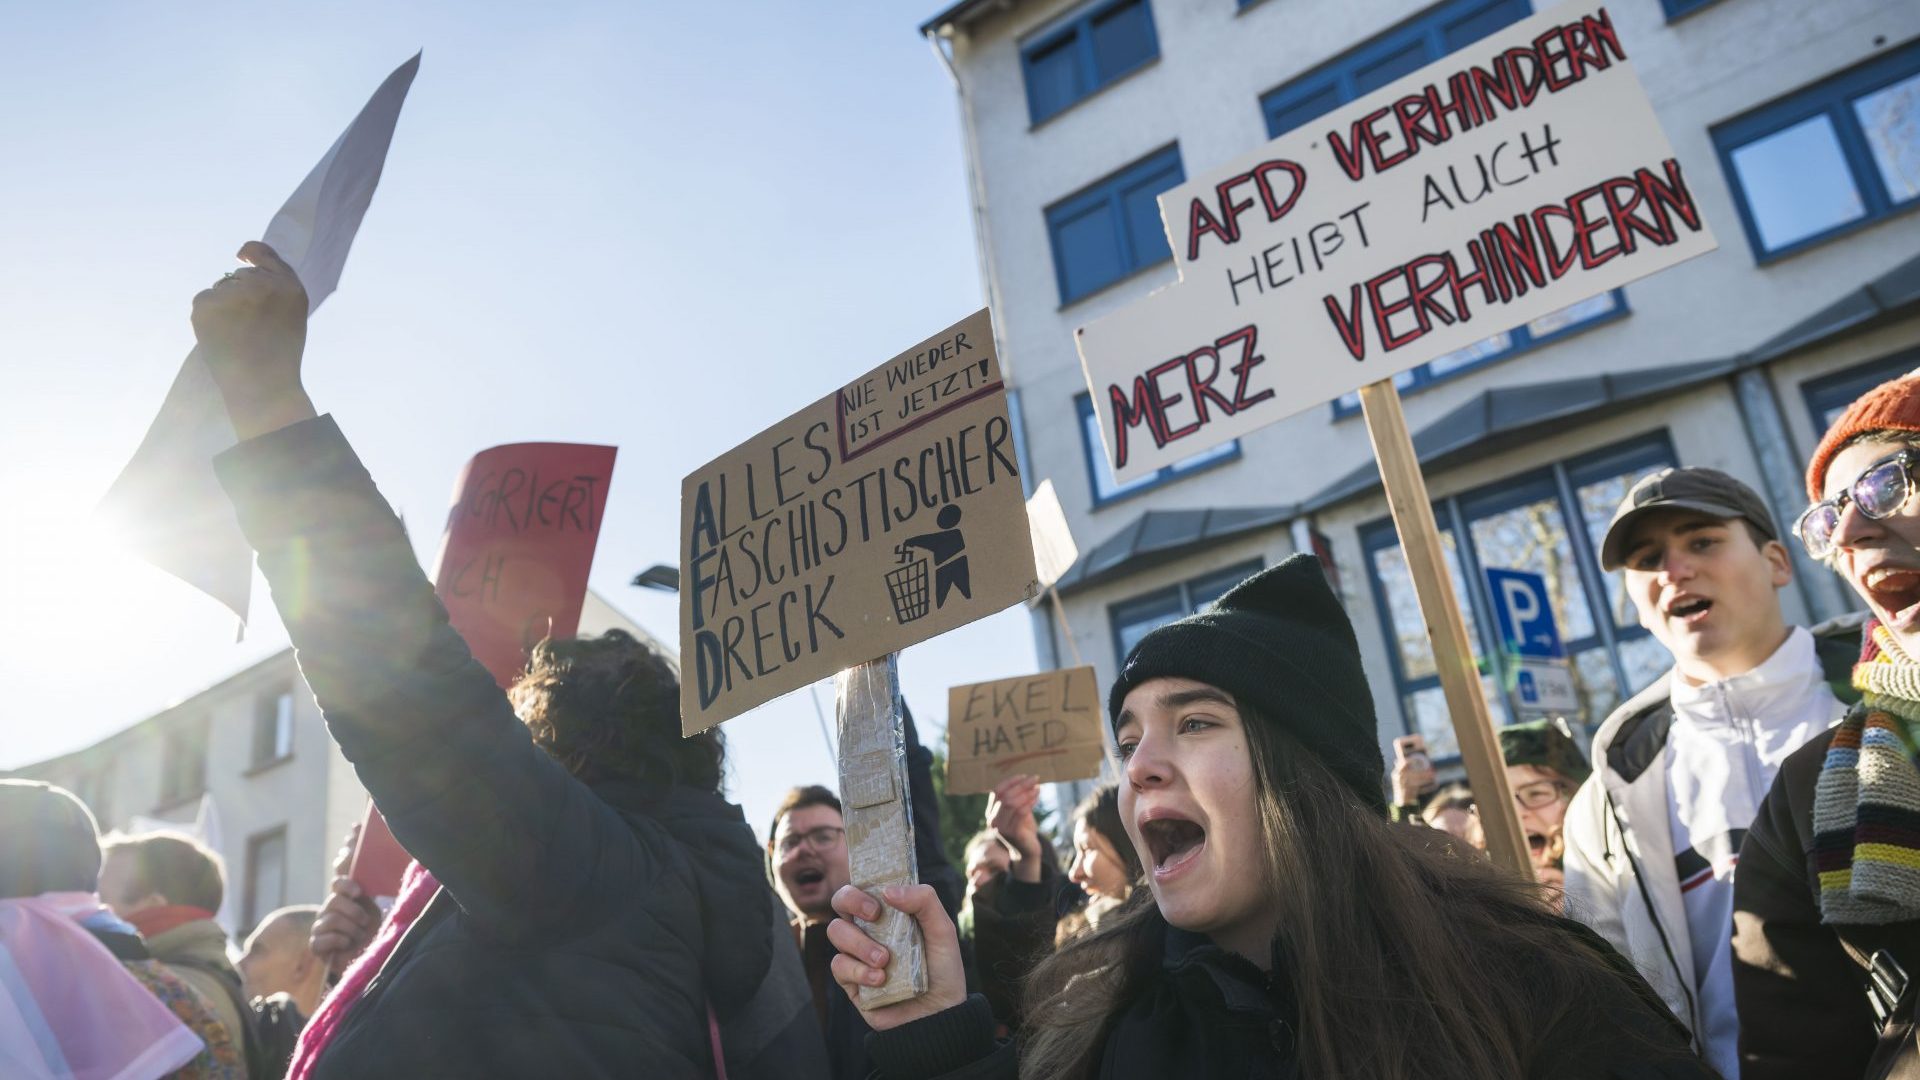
point(69, 1009)
point(417, 887)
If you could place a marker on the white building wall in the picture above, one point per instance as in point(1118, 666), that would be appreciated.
point(1215, 61)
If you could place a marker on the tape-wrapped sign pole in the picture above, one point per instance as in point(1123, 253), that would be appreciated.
point(875, 798)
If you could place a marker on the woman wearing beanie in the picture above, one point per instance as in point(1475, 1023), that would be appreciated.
point(1287, 928)
point(1826, 932)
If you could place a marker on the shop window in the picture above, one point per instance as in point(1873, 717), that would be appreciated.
point(1549, 522)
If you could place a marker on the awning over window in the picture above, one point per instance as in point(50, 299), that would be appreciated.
point(1160, 536)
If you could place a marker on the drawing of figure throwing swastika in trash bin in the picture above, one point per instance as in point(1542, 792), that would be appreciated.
point(907, 584)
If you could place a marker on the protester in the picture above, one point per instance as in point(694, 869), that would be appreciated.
point(80, 996)
point(807, 858)
point(169, 886)
point(283, 980)
point(1652, 838)
point(1544, 768)
point(1105, 865)
point(348, 917)
point(589, 901)
point(1413, 779)
point(1826, 920)
point(986, 859)
point(1289, 928)
point(1009, 921)
point(1451, 810)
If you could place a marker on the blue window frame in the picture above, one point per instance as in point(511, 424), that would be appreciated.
point(1677, 8)
point(1111, 228)
point(1829, 395)
point(1073, 60)
point(1835, 157)
point(1402, 50)
point(1133, 619)
point(1106, 489)
point(1549, 521)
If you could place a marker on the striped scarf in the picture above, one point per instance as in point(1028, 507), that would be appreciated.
point(1866, 805)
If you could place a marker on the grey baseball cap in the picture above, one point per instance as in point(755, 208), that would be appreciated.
point(1708, 491)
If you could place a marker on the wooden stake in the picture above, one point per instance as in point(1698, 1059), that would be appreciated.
point(874, 798)
point(1452, 652)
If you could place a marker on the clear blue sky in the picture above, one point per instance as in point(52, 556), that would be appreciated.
point(660, 226)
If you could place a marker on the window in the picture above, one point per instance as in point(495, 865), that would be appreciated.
point(1549, 522)
point(1828, 396)
point(1110, 229)
point(1134, 619)
point(1363, 69)
point(266, 874)
point(183, 763)
point(1829, 159)
point(1106, 489)
point(1071, 61)
point(1677, 8)
point(273, 728)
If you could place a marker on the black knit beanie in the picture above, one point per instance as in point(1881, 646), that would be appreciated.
point(1281, 644)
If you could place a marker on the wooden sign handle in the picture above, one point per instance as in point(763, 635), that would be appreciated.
point(874, 798)
point(1412, 510)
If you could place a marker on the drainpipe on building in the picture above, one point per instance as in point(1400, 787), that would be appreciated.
point(1781, 473)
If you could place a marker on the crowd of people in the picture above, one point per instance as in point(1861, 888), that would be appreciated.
point(1244, 900)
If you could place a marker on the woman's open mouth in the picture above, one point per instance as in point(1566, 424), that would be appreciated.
point(1172, 843)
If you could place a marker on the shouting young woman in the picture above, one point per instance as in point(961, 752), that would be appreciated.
point(1287, 928)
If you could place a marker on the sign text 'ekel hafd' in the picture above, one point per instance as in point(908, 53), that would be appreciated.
point(882, 515)
point(1502, 183)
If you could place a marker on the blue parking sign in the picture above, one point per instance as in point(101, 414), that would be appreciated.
point(1520, 606)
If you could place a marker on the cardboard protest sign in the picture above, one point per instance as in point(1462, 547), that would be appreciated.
point(883, 514)
point(518, 545)
point(1045, 725)
point(1054, 551)
point(1497, 185)
point(166, 504)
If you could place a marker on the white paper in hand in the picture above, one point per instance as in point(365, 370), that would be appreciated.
point(167, 504)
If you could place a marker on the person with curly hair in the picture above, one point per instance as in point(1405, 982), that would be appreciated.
point(591, 903)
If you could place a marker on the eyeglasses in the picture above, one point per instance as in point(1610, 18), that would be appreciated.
point(1878, 492)
point(820, 839)
point(1542, 793)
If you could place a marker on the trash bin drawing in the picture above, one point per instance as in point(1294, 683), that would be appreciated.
point(907, 585)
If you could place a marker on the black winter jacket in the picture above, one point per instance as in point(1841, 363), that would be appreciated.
point(1212, 1014)
point(580, 931)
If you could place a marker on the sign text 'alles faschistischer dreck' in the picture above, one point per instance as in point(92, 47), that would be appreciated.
point(1502, 183)
point(879, 516)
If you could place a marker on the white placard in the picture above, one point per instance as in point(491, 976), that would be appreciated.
point(1497, 185)
point(1054, 551)
point(166, 504)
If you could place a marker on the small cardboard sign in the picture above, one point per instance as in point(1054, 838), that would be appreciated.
point(886, 513)
point(1045, 725)
point(518, 545)
point(1500, 184)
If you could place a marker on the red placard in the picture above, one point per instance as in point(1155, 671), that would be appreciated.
point(512, 570)
point(519, 542)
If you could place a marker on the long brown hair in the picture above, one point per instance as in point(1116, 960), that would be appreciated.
point(1408, 961)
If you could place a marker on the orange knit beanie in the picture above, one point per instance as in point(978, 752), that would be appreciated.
point(1894, 405)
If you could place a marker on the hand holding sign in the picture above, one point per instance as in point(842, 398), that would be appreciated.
point(252, 328)
point(1010, 816)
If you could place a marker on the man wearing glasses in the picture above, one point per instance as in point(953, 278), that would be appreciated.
point(1827, 908)
point(807, 859)
point(1681, 769)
